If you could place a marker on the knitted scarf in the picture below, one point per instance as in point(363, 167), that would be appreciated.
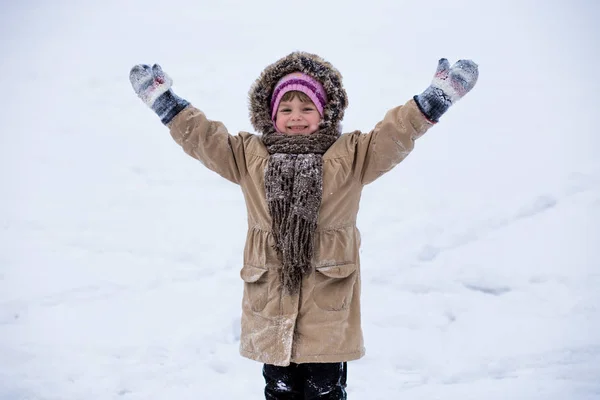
point(294, 188)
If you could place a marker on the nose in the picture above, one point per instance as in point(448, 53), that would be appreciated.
point(296, 115)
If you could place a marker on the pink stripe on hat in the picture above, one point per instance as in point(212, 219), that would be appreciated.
point(302, 83)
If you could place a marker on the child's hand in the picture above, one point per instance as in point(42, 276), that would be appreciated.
point(449, 85)
point(153, 86)
point(149, 82)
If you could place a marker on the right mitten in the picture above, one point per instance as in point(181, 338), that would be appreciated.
point(449, 85)
point(153, 86)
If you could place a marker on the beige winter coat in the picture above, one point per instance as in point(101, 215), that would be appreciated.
point(323, 322)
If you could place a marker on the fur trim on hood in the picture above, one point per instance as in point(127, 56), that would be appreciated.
point(310, 64)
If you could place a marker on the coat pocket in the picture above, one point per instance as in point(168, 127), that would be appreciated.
point(256, 287)
point(334, 286)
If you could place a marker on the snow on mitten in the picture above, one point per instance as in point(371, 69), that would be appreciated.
point(153, 86)
point(449, 85)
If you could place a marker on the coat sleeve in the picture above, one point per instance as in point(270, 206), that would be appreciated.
point(210, 143)
point(389, 142)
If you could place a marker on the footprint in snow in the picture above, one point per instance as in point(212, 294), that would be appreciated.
point(219, 366)
point(428, 253)
point(488, 289)
point(542, 203)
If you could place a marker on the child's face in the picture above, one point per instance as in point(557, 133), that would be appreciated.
point(296, 117)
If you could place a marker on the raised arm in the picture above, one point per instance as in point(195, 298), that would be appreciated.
point(393, 138)
point(206, 140)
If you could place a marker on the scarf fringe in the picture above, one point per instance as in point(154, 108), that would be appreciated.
point(279, 210)
point(298, 253)
point(296, 250)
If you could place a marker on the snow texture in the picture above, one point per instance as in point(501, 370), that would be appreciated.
point(120, 255)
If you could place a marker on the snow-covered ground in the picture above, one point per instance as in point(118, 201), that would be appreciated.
point(120, 255)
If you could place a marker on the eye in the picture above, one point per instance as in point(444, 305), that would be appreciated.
point(308, 109)
point(283, 110)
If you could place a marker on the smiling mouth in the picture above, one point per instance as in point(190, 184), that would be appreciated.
point(298, 128)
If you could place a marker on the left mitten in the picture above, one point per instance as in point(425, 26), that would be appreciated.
point(153, 86)
point(448, 86)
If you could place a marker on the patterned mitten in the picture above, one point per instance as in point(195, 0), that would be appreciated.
point(449, 85)
point(153, 86)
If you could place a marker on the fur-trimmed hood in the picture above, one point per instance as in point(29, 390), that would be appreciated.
point(310, 64)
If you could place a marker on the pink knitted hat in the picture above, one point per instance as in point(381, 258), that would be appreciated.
point(302, 83)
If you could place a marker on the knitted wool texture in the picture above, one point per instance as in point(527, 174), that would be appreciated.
point(302, 83)
point(449, 85)
point(153, 86)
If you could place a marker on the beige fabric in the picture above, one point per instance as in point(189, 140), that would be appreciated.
point(323, 322)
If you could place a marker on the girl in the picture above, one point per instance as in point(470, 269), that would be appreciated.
point(302, 180)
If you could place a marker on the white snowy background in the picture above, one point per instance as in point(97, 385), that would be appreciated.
point(120, 255)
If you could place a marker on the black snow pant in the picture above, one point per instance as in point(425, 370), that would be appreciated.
point(312, 381)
